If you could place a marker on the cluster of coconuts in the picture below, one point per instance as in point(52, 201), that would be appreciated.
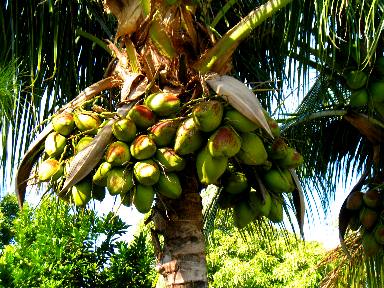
point(139, 161)
point(233, 151)
point(367, 89)
point(367, 210)
point(73, 131)
point(150, 148)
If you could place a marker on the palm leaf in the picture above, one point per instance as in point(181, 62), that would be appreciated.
point(54, 63)
point(358, 270)
point(8, 101)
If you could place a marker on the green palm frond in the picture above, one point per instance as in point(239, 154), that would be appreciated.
point(55, 61)
point(356, 271)
point(8, 91)
point(7, 72)
point(332, 147)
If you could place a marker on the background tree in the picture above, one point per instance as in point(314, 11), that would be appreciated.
point(263, 259)
point(54, 247)
point(9, 211)
point(323, 35)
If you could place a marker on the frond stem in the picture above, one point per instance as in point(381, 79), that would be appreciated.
point(316, 115)
point(94, 39)
point(218, 55)
point(222, 12)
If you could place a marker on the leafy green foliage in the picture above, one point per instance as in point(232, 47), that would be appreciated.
point(55, 247)
point(128, 264)
point(8, 213)
point(257, 261)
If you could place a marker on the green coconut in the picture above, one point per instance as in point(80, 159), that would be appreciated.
point(356, 79)
point(163, 104)
point(278, 180)
point(243, 214)
point(239, 121)
point(169, 185)
point(54, 144)
point(252, 151)
point(235, 183)
point(278, 149)
point(272, 123)
point(372, 198)
point(164, 132)
point(82, 143)
point(143, 198)
point(209, 169)
point(292, 159)
point(376, 90)
point(188, 138)
point(143, 147)
point(168, 160)
point(142, 116)
point(81, 193)
point(117, 153)
point(50, 169)
point(276, 214)
point(378, 232)
point(359, 98)
point(355, 200)
point(225, 142)
point(371, 247)
point(146, 172)
point(98, 193)
point(119, 181)
point(124, 130)
point(87, 122)
point(63, 123)
point(260, 203)
point(100, 176)
point(208, 115)
point(368, 217)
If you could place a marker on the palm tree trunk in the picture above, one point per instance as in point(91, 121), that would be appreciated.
point(181, 260)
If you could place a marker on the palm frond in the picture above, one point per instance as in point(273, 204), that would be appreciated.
point(54, 61)
point(8, 91)
point(332, 147)
point(357, 271)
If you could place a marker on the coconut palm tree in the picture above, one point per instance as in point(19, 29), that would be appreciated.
point(330, 49)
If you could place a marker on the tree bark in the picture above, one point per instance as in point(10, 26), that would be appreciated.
point(181, 260)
